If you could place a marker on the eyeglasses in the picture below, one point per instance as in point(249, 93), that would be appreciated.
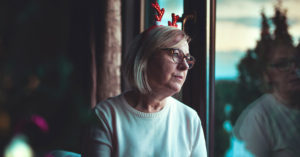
point(286, 65)
point(179, 57)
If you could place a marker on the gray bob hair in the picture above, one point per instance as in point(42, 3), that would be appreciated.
point(142, 48)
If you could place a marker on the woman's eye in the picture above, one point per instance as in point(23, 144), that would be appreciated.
point(176, 51)
point(176, 54)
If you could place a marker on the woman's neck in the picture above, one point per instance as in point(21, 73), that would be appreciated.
point(287, 100)
point(148, 103)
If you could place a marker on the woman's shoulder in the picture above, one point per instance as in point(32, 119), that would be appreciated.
point(180, 104)
point(109, 105)
point(182, 108)
point(261, 106)
point(109, 101)
point(255, 114)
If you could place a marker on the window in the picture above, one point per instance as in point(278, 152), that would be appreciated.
point(242, 37)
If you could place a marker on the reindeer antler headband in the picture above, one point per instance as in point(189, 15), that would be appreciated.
point(161, 12)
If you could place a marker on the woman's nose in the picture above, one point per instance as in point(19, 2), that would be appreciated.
point(183, 65)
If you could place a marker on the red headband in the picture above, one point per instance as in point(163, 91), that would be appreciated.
point(161, 12)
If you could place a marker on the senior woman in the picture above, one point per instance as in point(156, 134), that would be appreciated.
point(270, 126)
point(146, 120)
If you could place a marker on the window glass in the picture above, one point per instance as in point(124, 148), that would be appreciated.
point(257, 78)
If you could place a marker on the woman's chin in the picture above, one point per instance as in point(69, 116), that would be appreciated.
point(169, 89)
point(176, 88)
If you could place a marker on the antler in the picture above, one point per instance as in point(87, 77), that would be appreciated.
point(174, 20)
point(160, 12)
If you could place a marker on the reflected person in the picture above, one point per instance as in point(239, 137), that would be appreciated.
point(270, 126)
point(146, 120)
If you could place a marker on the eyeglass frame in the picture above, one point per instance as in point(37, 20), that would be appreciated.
point(185, 57)
point(289, 64)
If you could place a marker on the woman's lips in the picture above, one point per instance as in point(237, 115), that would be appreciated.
point(178, 77)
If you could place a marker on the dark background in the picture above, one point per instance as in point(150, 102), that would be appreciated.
point(45, 71)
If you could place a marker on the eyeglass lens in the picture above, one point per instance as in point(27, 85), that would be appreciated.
point(178, 57)
point(286, 64)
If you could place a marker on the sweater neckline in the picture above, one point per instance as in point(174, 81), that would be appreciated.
point(141, 114)
point(281, 105)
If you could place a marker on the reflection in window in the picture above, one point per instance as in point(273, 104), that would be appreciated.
point(255, 100)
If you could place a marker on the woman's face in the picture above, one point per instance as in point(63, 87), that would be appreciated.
point(282, 71)
point(164, 75)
